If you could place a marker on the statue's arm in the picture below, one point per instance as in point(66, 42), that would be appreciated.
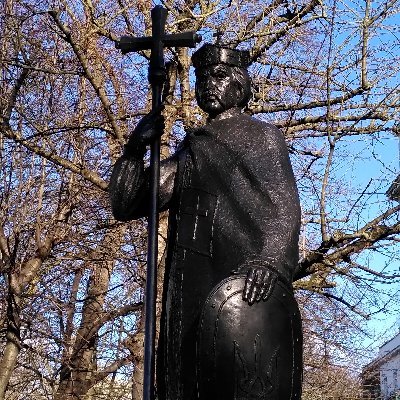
point(129, 185)
point(277, 217)
point(130, 181)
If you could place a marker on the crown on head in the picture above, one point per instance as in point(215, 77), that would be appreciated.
point(214, 54)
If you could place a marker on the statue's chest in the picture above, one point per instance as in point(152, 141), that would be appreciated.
point(205, 184)
point(209, 165)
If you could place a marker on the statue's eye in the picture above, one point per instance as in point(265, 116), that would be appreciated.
point(220, 75)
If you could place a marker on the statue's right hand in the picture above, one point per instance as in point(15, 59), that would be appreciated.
point(149, 128)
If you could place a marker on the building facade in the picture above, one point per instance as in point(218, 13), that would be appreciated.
point(381, 378)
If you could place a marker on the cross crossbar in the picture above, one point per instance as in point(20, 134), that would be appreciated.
point(128, 44)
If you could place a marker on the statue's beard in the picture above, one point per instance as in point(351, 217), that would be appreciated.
point(213, 103)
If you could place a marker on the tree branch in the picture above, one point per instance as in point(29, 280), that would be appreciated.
point(340, 247)
point(56, 159)
point(294, 21)
point(94, 82)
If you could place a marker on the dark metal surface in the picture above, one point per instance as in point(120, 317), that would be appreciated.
point(129, 44)
point(234, 210)
point(244, 351)
point(157, 76)
point(234, 218)
point(212, 55)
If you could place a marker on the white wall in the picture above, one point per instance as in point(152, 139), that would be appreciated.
point(390, 370)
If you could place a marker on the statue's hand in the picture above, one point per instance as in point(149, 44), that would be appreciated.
point(259, 284)
point(149, 128)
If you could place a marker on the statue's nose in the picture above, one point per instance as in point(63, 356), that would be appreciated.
point(210, 83)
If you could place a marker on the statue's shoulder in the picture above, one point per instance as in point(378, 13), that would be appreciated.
point(259, 130)
point(260, 124)
point(191, 135)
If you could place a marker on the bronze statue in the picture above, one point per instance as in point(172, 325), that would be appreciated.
point(231, 328)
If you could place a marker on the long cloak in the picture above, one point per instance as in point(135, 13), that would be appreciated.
point(233, 204)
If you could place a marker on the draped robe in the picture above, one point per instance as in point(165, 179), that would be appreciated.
point(233, 204)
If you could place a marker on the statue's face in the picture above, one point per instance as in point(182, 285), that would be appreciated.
point(216, 89)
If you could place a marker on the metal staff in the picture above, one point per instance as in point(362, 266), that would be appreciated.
point(157, 77)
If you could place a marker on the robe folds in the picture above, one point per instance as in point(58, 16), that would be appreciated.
point(233, 204)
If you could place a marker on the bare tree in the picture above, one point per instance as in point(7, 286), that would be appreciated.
point(325, 72)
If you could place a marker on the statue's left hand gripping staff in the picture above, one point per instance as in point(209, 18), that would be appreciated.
point(157, 76)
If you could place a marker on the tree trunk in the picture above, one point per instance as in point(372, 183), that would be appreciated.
point(78, 372)
point(76, 377)
point(13, 337)
point(137, 377)
point(8, 361)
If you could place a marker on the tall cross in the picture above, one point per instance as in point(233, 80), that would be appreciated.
point(157, 76)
